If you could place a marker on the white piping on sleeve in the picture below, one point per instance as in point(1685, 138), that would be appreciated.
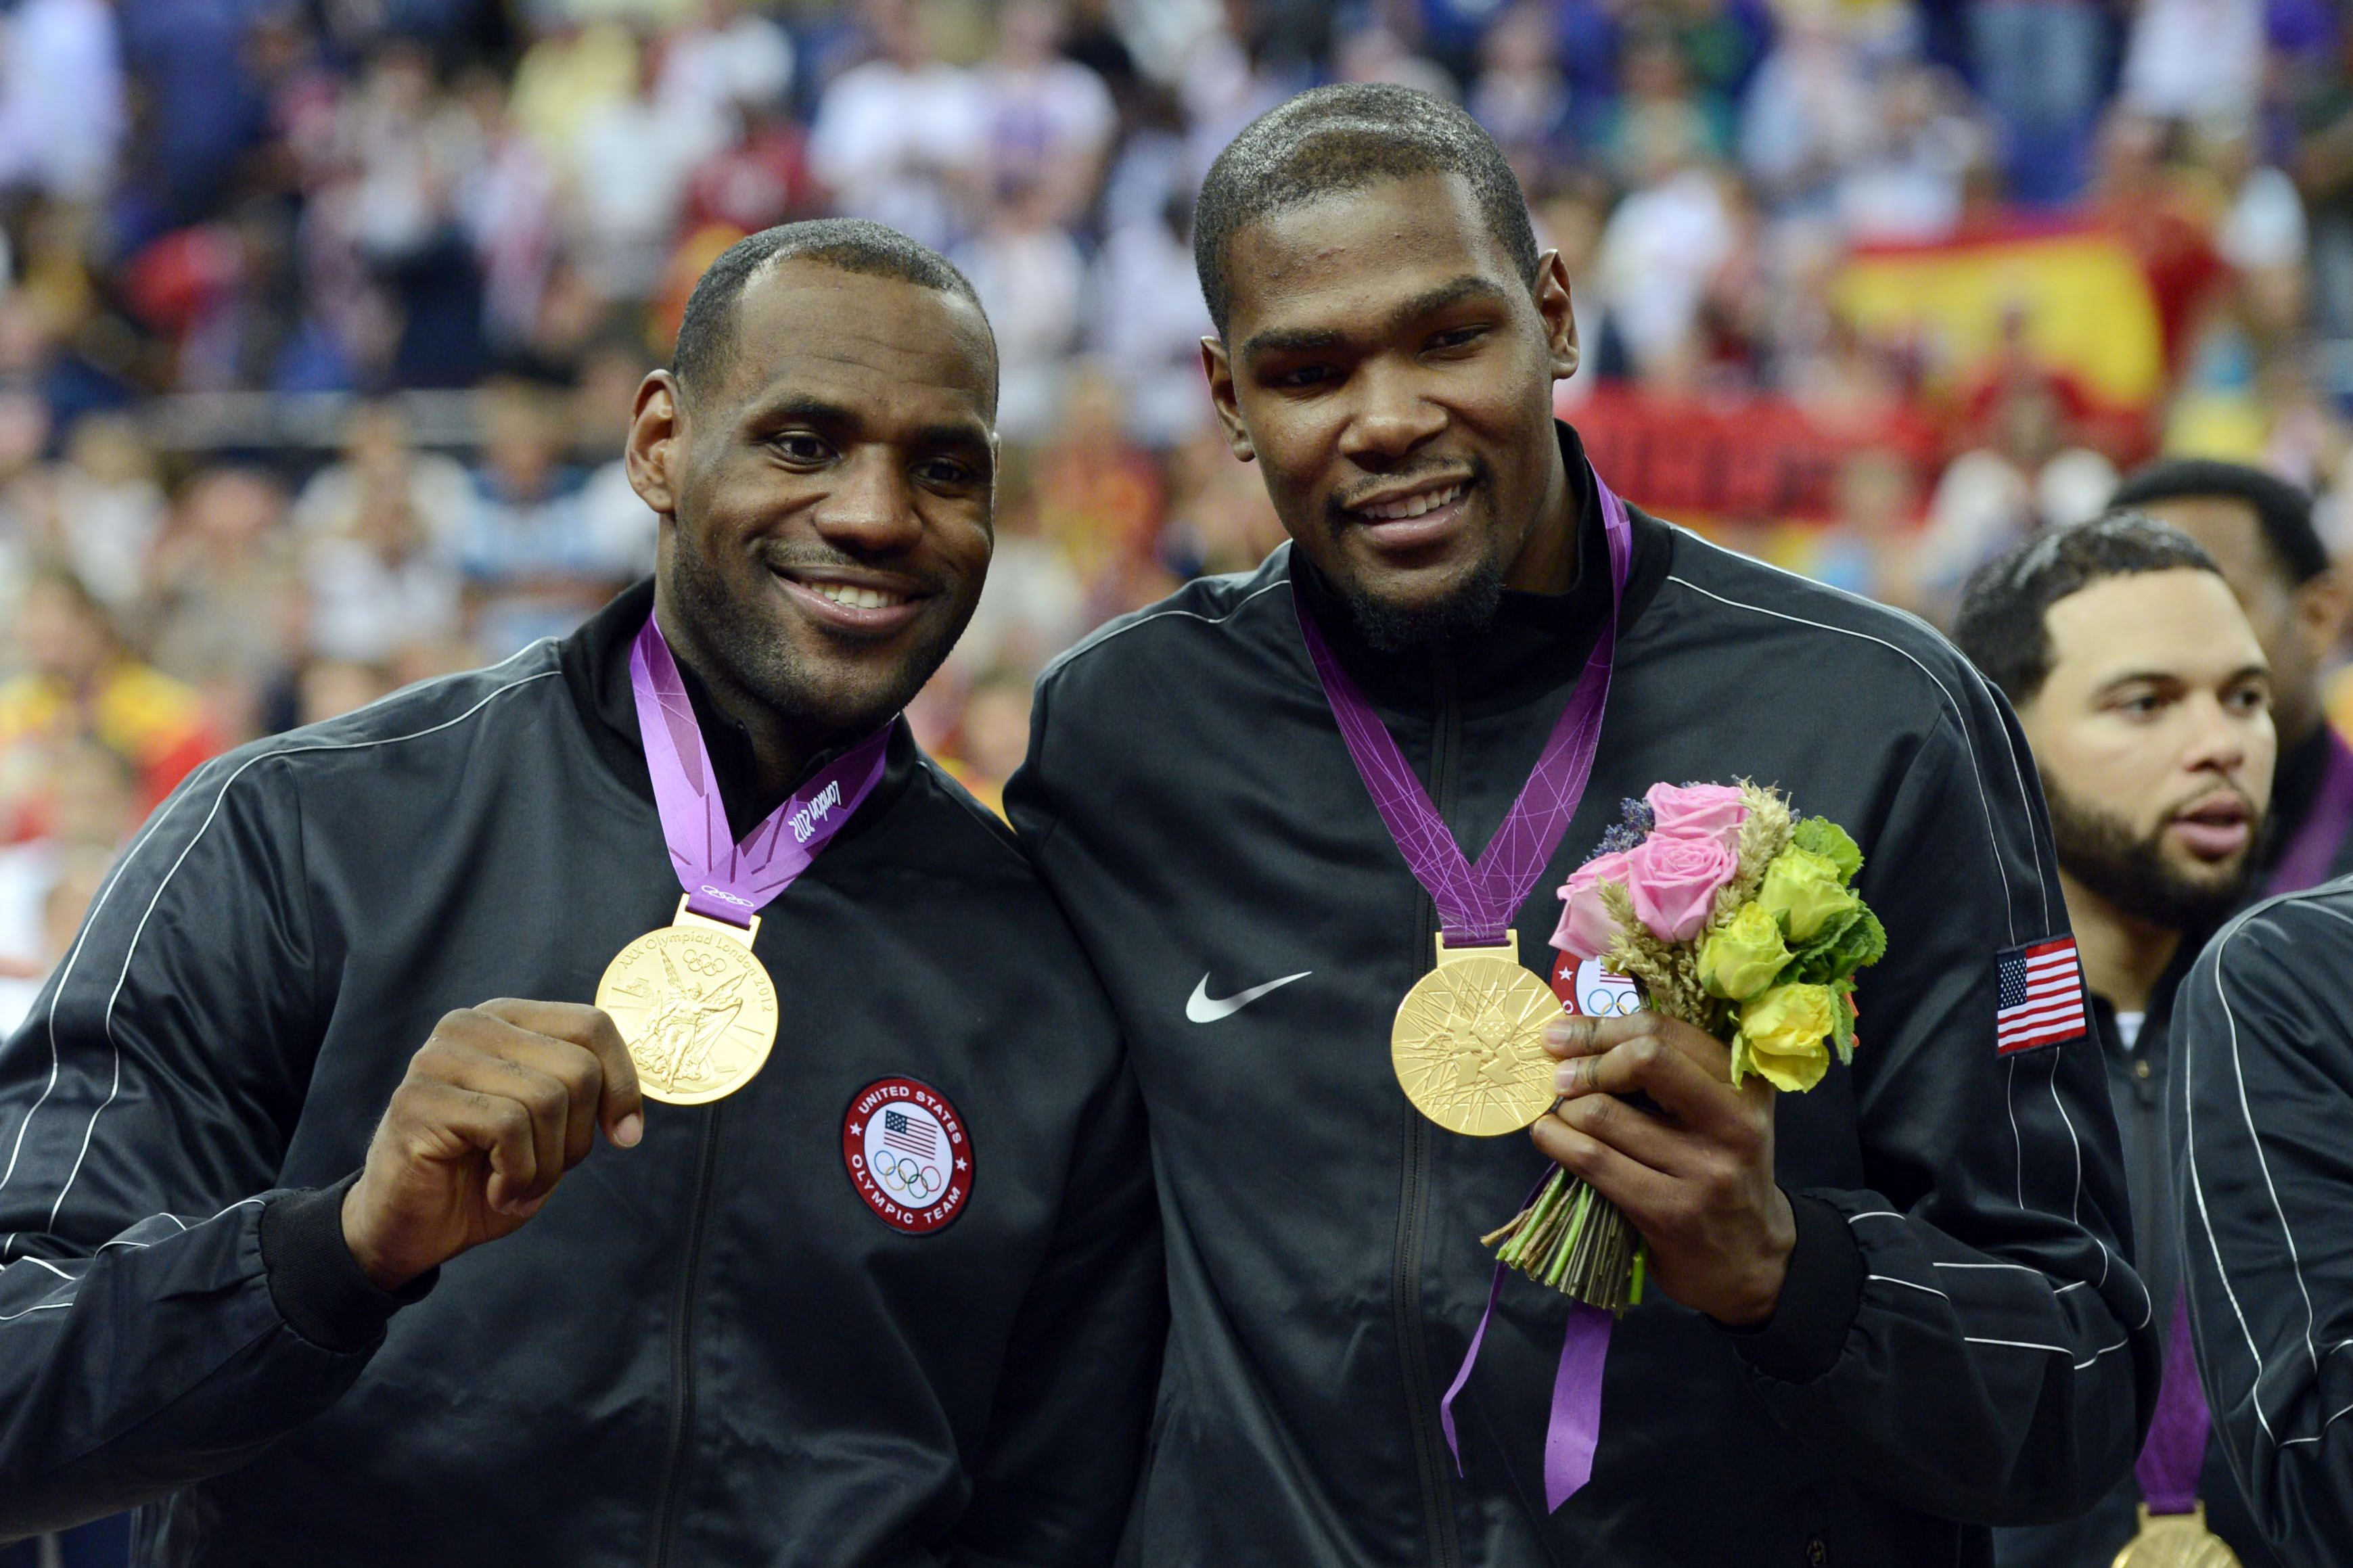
point(1098, 640)
point(1977, 772)
point(130, 951)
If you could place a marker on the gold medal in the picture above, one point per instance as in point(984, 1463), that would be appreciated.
point(2175, 1541)
point(1467, 1043)
point(696, 1009)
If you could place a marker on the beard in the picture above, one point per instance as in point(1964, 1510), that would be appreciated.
point(772, 668)
point(2099, 850)
point(1466, 609)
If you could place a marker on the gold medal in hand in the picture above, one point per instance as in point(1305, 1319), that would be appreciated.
point(696, 1009)
point(1468, 1042)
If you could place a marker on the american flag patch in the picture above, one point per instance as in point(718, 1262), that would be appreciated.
point(901, 1131)
point(2041, 995)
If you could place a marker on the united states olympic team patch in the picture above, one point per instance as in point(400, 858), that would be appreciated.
point(907, 1154)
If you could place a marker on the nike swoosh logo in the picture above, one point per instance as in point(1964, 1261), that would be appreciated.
point(1204, 1008)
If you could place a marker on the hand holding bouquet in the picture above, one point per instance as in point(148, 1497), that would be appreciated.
point(1734, 917)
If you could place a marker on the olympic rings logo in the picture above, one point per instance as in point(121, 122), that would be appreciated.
point(902, 1174)
point(1609, 1002)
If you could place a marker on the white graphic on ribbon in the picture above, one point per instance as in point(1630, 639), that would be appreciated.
point(1203, 1009)
point(805, 820)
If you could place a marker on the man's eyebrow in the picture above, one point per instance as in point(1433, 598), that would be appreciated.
point(2141, 677)
point(800, 405)
point(958, 433)
point(1290, 339)
point(1308, 339)
point(1470, 285)
point(834, 415)
point(2250, 671)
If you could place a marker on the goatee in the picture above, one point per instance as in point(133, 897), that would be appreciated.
point(1470, 608)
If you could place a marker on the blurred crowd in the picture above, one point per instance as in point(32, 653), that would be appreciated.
point(1872, 287)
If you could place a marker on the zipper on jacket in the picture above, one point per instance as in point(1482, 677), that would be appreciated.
point(682, 1343)
point(1413, 1201)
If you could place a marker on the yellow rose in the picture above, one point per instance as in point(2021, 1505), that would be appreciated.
point(1741, 959)
point(1807, 890)
point(1785, 1035)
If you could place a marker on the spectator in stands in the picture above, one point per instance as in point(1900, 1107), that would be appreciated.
point(632, 159)
point(47, 883)
point(533, 567)
point(727, 56)
point(2258, 529)
point(1521, 95)
point(2143, 694)
point(223, 610)
point(377, 588)
point(1048, 120)
point(380, 459)
point(2039, 65)
point(62, 118)
point(76, 683)
point(1145, 317)
point(899, 139)
point(1031, 281)
point(110, 508)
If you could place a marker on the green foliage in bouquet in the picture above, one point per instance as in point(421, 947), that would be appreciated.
point(1771, 971)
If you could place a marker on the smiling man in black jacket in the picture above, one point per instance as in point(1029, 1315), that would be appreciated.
point(290, 1252)
point(1887, 1312)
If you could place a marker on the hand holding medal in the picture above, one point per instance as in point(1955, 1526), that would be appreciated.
point(695, 1007)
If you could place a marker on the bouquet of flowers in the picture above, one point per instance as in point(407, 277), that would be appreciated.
point(1735, 916)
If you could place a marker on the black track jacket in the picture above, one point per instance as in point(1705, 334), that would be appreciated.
point(2261, 1111)
point(708, 1349)
point(1960, 1337)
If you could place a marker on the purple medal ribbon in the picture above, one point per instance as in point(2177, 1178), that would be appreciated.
point(1476, 905)
point(2305, 861)
point(723, 878)
point(2175, 1450)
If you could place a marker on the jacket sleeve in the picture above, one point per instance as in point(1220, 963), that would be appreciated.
point(1961, 1326)
point(151, 1280)
point(2261, 1111)
point(1076, 1390)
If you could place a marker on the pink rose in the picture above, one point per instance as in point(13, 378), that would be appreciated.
point(1673, 881)
point(1585, 928)
point(1698, 811)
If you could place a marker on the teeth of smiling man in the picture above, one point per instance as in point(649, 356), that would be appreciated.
point(1413, 506)
point(857, 598)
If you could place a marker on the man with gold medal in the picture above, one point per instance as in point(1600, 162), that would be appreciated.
point(1308, 820)
point(306, 1245)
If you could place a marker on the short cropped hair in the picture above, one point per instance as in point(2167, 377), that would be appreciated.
point(706, 334)
point(2283, 510)
point(2000, 626)
point(1343, 138)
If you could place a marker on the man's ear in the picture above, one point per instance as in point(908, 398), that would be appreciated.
point(1220, 372)
point(656, 429)
point(1553, 304)
point(2321, 605)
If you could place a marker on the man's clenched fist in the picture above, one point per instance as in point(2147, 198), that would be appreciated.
point(500, 1101)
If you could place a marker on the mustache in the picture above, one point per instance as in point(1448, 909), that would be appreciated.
point(788, 559)
point(1339, 506)
point(2210, 796)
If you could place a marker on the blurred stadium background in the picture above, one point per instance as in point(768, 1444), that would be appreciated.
point(320, 318)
